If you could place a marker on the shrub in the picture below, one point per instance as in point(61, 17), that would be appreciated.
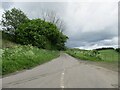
point(118, 50)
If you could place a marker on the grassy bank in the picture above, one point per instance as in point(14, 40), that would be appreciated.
point(95, 55)
point(24, 57)
point(103, 58)
point(0, 62)
point(84, 54)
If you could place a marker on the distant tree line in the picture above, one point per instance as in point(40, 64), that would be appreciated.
point(110, 48)
point(105, 48)
point(37, 32)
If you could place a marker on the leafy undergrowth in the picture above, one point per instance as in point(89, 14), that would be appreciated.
point(24, 57)
point(7, 44)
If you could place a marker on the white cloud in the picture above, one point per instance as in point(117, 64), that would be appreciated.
point(96, 46)
point(104, 43)
point(89, 23)
point(60, 0)
point(90, 17)
point(92, 23)
point(1, 12)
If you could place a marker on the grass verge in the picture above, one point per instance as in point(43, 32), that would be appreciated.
point(84, 54)
point(105, 58)
point(24, 57)
point(94, 55)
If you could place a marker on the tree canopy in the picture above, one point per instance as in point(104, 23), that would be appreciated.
point(11, 19)
point(36, 32)
point(41, 34)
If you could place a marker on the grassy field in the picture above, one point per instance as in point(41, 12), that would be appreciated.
point(105, 58)
point(24, 57)
point(84, 54)
point(95, 55)
point(109, 55)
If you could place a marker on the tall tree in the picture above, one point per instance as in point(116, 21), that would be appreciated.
point(11, 19)
point(41, 34)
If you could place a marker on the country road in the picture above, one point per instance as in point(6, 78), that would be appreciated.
point(63, 72)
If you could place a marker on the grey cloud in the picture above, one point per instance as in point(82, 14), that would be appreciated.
point(34, 9)
point(92, 45)
point(94, 36)
point(88, 24)
point(6, 5)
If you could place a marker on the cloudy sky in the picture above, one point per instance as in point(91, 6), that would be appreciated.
point(89, 25)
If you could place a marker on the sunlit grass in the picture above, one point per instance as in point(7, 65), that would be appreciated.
point(24, 57)
point(101, 55)
point(109, 55)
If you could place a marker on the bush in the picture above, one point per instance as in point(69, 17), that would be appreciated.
point(118, 50)
point(7, 36)
point(41, 34)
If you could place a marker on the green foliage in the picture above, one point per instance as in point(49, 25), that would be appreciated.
point(24, 57)
point(6, 40)
point(7, 36)
point(42, 34)
point(36, 32)
point(0, 39)
point(118, 50)
point(85, 54)
point(1, 51)
point(11, 19)
point(7, 44)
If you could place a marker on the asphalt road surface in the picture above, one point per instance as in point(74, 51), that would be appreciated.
point(63, 72)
